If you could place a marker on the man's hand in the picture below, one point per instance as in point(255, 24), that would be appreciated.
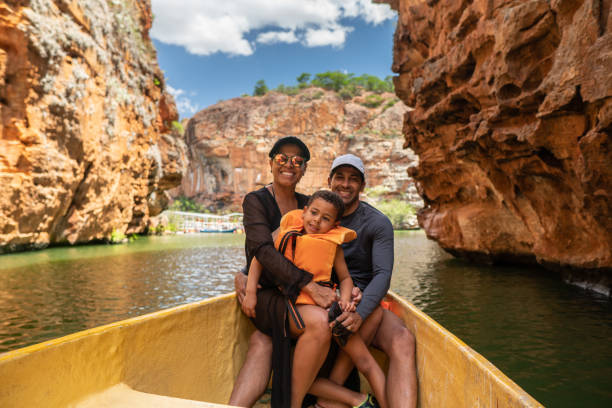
point(351, 320)
point(356, 295)
point(240, 282)
point(322, 296)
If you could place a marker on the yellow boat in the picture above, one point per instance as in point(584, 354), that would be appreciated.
point(188, 356)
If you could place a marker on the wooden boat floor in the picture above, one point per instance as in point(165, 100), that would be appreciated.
point(122, 396)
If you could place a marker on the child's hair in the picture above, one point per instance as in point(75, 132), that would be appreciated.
point(331, 198)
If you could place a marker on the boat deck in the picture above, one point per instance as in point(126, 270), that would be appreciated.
point(122, 396)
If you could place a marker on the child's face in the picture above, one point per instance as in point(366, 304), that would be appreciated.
point(319, 217)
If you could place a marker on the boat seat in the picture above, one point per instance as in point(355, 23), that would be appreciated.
point(121, 395)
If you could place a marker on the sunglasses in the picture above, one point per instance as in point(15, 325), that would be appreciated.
point(282, 159)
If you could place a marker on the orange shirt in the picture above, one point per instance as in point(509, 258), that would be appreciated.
point(314, 253)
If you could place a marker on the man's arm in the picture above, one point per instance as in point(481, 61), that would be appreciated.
point(382, 266)
point(375, 291)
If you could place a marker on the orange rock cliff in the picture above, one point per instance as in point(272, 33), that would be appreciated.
point(86, 145)
point(512, 123)
point(228, 144)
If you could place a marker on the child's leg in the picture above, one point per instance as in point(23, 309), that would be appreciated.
point(324, 388)
point(310, 350)
point(367, 331)
point(343, 364)
point(363, 359)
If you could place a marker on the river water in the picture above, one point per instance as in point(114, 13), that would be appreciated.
point(551, 338)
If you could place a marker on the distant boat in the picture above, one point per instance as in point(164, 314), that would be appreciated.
point(189, 354)
point(219, 230)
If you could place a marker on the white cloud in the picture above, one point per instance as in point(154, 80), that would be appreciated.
point(184, 104)
point(272, 37)
point(326, 36)
point(205, 27)
point(367, 10)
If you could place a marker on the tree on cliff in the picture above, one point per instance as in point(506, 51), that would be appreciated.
point(303, 80)
point(331, 80)
point(260, 88)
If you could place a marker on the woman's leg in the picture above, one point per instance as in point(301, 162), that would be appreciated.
point(310, 350)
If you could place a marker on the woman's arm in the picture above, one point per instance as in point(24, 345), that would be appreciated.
point(346, 283)
point(276, 268)
point(250, 298)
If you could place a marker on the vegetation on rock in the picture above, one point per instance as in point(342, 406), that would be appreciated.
point(347, 85)
point(401, 213)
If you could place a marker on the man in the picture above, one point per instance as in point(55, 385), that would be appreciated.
point(370, 262)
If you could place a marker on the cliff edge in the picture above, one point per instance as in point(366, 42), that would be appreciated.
point(512, 123)
point(86, 145)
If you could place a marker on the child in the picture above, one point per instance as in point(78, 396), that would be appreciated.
point(317, 236)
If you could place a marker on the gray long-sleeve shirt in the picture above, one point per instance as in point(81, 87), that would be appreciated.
point(369, 257)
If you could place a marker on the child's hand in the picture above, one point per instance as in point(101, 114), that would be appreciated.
point(346, 306)
point(248, 304)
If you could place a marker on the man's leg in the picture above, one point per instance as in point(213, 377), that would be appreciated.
point(254, 375)
point(399, 345)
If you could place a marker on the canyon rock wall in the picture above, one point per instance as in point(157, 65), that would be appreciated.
point(229, 143)
point(512, 123)
point(86, 145)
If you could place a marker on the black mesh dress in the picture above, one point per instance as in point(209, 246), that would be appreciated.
point(279, 278)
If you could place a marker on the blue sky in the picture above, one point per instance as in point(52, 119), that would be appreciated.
point(228, 46)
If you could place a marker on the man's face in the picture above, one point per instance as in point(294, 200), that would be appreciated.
point(347, 183)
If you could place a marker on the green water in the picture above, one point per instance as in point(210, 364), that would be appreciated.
point(551, 338)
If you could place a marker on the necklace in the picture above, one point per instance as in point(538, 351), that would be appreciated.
point(273, 193)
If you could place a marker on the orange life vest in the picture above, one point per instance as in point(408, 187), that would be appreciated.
point(314, 253)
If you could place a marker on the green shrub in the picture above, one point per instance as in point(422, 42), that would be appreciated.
point(287, 90)
point(178, 126)
point(260, 88)
point(398, 212)
point(373, 101)
point(316, 95)
point(117, 237)
point(390, 104)
point(346, 84)
point(303, 80)
point(182, 203)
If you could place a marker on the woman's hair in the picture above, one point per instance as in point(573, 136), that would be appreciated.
point(332, 198)
point(290, 140)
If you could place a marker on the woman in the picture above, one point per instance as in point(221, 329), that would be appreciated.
point(263, 210)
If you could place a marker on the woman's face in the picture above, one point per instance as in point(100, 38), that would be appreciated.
point(287, 174)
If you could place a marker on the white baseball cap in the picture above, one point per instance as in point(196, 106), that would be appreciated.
point(350, 160)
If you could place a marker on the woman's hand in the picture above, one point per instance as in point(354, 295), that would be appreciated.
point(322, 296)
point(240, 282)
point(248, 304)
